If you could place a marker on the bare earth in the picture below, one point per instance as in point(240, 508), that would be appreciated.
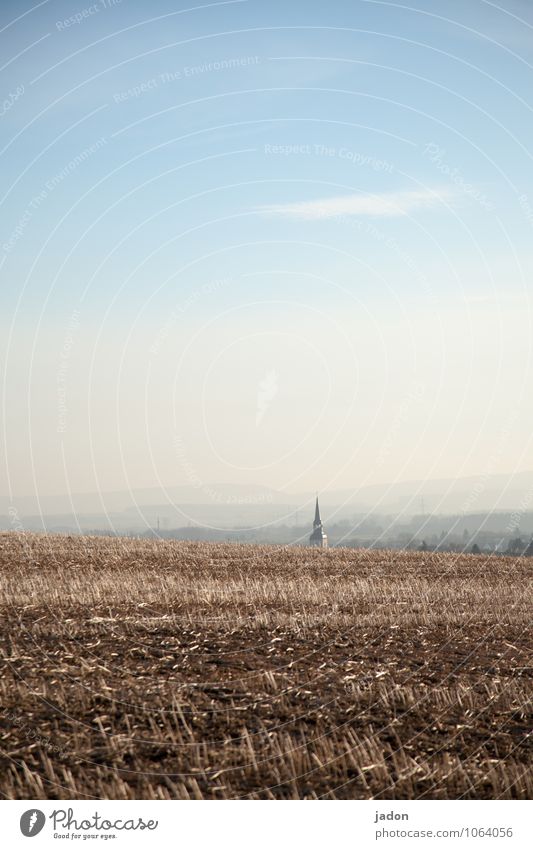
point(170, 670)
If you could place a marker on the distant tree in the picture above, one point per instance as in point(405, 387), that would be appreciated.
point(424, 546)
point(516, 546)
point(475, 549)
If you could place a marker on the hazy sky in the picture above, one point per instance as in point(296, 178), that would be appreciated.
point(278, 243)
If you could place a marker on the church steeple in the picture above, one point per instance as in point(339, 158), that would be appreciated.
point(318, 521)
point(318, 538)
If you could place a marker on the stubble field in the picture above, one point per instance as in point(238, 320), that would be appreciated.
point(173, 670)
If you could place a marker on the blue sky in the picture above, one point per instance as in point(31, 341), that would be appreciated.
point(293, 237)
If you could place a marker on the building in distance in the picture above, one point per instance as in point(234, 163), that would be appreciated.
point(319, 537)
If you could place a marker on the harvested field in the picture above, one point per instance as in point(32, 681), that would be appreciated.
point(173, 670)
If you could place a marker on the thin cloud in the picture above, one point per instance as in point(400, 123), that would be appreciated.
point(389, 205)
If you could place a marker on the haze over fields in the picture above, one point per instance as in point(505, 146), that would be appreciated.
point(497, 507)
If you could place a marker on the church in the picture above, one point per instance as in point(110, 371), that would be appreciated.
point(319, 537)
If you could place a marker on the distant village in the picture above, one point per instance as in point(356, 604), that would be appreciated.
point(491, 533)
point(495, 532)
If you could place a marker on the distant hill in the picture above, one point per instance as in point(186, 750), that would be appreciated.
point(225, 505)
point(449, 495)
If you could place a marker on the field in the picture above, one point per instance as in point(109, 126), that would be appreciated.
point(171, 670)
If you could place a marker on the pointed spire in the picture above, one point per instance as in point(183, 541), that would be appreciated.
point(318, 537)
point(318, 520)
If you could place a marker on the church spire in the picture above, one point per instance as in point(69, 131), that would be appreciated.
point(318, 538)
point(318, 521)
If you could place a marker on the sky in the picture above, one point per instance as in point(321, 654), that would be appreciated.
point(266, 244)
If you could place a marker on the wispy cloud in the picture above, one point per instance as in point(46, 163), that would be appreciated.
point(390, 204)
